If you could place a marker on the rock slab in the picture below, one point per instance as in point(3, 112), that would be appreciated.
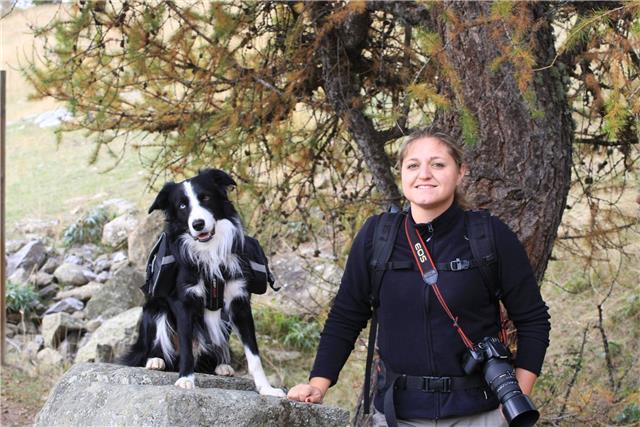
point(100, 394)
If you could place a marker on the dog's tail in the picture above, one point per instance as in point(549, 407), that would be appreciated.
point(143, 348)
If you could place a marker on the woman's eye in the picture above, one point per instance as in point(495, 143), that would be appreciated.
point(438, 165)
point(412, 165)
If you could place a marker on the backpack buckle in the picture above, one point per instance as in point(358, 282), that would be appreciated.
point(459, 264)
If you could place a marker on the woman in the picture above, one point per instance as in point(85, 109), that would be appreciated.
point(415, 335)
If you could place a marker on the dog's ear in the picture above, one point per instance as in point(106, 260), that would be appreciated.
point(162, 199)
point(221, 178)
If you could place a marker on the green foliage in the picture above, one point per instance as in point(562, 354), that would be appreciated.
point(469, 127)
point(21, 297)
point(629, 415)
point(291, 330)
point(87, 228)
point(578, 283)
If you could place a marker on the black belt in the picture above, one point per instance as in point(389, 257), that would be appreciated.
point(426, 384)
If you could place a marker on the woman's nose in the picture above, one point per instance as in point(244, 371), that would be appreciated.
point(425, 172)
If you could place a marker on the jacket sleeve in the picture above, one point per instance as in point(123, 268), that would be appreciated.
point(522, 299)
point(350, 310)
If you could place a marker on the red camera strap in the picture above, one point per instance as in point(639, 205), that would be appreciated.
point(429, 273)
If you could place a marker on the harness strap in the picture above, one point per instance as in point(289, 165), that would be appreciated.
point(395, 381)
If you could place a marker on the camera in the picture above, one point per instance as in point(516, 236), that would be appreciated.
point(493, 359)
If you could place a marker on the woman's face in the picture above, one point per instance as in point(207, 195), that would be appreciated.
point(429, 175)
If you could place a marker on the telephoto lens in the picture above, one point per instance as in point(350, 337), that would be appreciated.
point(517, 408)
point(494, 358)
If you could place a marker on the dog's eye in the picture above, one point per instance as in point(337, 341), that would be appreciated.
point(204, 198)
point(182, 206)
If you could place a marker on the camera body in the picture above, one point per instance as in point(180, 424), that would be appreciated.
point(493, 359)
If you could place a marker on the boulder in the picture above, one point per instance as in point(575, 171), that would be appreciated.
point(103, 277)
point(48, 291)
point(20, 275)
point(49, 357)
point(51, 264)
point(30, 257)
point(13, 246)
point(116, 232)
point(142, 239)
point(34, 346)
point(41, 279)
point(102, 263)
point(120, 293)
point(119, 260)
point(71, 274)
point(67, 305)
point(112, 395)
point(55, 327)
point(118, 333)
point(119, 207)
point(83, 293)
point(34, 226)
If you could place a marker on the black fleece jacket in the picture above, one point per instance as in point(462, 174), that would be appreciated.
point(415, 336)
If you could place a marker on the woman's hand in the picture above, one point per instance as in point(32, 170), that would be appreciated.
point(306, 393)
point(312, 392)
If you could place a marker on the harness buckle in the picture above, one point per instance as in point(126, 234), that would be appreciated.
point(436, 384)
point(459, 264)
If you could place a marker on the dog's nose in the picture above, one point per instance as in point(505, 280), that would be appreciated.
point(198, 224)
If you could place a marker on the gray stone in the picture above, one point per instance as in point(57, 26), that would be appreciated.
point(118, 207)
point(112, 395)
point(71, 274)
point(69, 347)
point(51, 264)
point(67, 305)
point(48, 291)
point(116, 232)
point(30, 257)
point(11, 330)
point(56, 327)
point(13, 246)
point(118, 333)
point(85, 253)
point(103, 277)
point(120, 293)
point(41, 279)
point(73, 259)
point(102, 263)
point(79, 315)
point(49, 357)
point(93, 324)
point(119, 260)
point(83, 293)
point(34, 346)
point(20, 275)
point(40, 227)
point(142, 239)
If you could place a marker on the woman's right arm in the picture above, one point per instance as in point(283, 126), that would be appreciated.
point(348, 316)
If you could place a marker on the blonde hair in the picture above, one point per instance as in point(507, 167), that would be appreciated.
point(454, 149)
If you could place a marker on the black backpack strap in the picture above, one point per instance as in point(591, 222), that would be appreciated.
point(482, 243)
point(384, 238)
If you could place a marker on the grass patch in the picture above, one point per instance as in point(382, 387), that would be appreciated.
point(49, 181)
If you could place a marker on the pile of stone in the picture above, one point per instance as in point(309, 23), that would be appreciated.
point(90, 298)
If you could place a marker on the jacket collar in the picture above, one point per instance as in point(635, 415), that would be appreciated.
point(442, 223)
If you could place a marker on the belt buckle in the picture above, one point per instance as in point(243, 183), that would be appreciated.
point(436, 384)
point(459, 264)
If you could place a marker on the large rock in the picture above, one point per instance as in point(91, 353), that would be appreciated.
point(120, 293)
point(112, 395)
point(30, 257)
point(119, 207)
point(49, 357)
point(71, 274)
point(55, 327)
point(142, 239)
point(83, 293)
point(67, 305)
point(118, 333)
point(116, 232)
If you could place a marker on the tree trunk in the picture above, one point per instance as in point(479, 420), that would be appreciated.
point(520, 166)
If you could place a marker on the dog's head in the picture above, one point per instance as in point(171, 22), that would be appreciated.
point(195, 205)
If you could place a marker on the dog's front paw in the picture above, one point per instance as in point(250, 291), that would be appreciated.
point(270, 391)
point(155, 363)
point(187, 382)
point(225, 370)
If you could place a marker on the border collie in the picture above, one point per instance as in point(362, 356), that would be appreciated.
point(179, 331)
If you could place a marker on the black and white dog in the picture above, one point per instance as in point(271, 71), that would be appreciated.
point(178, 331)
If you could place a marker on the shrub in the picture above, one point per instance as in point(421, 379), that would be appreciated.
point(629, 415)
point(20, 297)
point(87, 229)
point(290, 330)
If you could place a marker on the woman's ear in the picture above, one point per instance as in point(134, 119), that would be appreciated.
point(461, 173)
